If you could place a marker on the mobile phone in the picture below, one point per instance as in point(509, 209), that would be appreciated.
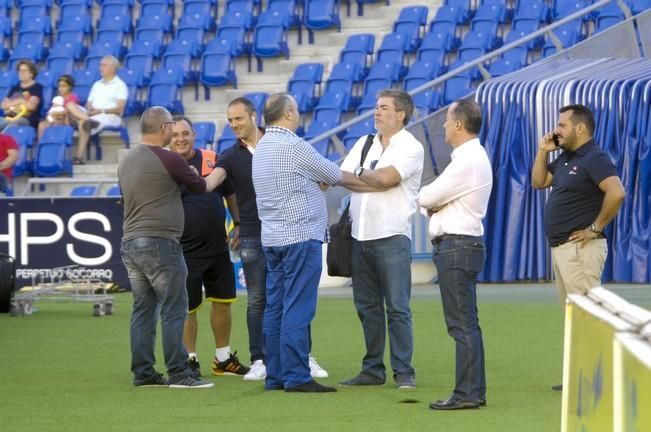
point(555, 137)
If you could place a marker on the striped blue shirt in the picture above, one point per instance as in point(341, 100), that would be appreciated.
point(286, 174)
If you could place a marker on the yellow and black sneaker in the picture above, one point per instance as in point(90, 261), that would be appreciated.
point(231, 366)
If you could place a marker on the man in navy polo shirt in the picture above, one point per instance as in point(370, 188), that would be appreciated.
point(586, 195)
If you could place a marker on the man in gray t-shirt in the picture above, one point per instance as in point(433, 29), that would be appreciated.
point(150, 178)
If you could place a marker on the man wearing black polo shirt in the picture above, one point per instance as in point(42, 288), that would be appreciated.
point(586, 195)
point(206, 255)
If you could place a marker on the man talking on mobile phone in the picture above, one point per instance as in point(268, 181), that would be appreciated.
point(586, 195)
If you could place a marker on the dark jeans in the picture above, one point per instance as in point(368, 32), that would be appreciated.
point(293, 274)
point(458, 260)
point(157, 275)
point(254, 264)
point(382, 275)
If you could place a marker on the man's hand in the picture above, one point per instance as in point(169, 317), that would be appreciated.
point(546, 143)
point(234, 241)
point(583, 236)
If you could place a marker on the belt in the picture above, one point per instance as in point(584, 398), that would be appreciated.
point(438, 239)
point(562, 242)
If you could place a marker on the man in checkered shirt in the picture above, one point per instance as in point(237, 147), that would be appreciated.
point(287, 174)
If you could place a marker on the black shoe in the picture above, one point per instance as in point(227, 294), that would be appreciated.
point(195, 367)
point(482, 402)
point(311, 387)
point(363, 379)
point(90, 124)
point(230, 366)
point(453, 404)
point(558, 387)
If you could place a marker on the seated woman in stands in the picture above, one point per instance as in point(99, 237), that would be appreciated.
point(65, 107)
point(22, 105)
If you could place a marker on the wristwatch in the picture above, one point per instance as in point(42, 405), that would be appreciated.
point(358, 172)
point(594, 229)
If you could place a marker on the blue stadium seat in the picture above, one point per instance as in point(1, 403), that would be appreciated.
point(392, 50)
point(608, 17)
point(426, 101)
point(142, 66)
point(134, 81)
point(167, 95)
point(83, 191)
point(148, 41)
point(84, 80)
point(463, 5)
point(205, 134)
point(25, 51)
point(24, 136)
point(8, 79)
point(568, 34)
point(316, 128)
point(519, 54)
point(155, 15)
point(216, 70)
point(411, 23)
point(258, 100)
point(69, 43)
point(421, 72)
point(532, 9)
point(342, 86)
point(115, 16)
point(358, 130)
point(75, 17)
point(568, 7)
point(304, 85)
point(527, 26)
point(456, 87)
point(359, 50)
point(52, 154)
point(99, 50)
point(321, 14)
point(226, 140)
point(503, 66)
point(232, 39)
point(198, 12)
point(638, 6)
point(60, 65)
point(114, 191)
point(434, 47)
point(187, 41)
point(288, 6)
point(237, 18)
point(269, 41)
point(34, 38)
point(181, 62)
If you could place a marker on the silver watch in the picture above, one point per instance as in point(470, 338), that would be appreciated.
point(594, 229)
point(358, 172)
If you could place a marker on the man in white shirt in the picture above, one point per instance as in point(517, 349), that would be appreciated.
point(385, 189)
point(457, 201)
point(104, 107)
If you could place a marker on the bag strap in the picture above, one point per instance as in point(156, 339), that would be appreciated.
point(367, 147)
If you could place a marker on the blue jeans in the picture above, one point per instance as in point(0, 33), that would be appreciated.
point(458, 260)
point(254, 265)
point(293, 274)
point(157, 275)
point(382, 276)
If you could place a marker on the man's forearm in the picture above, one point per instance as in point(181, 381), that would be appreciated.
point(215, 178)
point(539, 171)
point(610, 206)
point(356, 184)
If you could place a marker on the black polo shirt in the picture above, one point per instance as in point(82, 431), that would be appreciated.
point(237, 161)
point(204, 234)
point(575, 199)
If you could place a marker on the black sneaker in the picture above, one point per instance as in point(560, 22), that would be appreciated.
point(194, 367)
point(156, 380)
point(231, 366)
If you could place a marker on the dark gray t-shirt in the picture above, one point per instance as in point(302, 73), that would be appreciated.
point(150, 179)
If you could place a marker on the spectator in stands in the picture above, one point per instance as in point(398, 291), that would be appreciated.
point(65, 107)
point(457, 201)
point(236, 165)
point(22, 106)
point(384, 188)
point(206, 254)
point(287, 173)
point(150, 179)
point(586, 195)
point(8, 158)
point(104, 107)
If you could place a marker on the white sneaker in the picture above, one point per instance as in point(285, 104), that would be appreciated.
point(258, 372)
point(315, 370)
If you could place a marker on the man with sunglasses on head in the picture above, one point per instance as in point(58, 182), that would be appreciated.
point(150, 179)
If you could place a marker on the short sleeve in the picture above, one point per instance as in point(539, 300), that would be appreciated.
point(408, 159)
point(601, 167)
point(122, 91)
point(351, 163)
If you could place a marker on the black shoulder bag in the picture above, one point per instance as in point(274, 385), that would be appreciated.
point(340, 248)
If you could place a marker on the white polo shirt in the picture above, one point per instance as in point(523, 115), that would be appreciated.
point(106, 94)
point(461, 192)
point(378, 215)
